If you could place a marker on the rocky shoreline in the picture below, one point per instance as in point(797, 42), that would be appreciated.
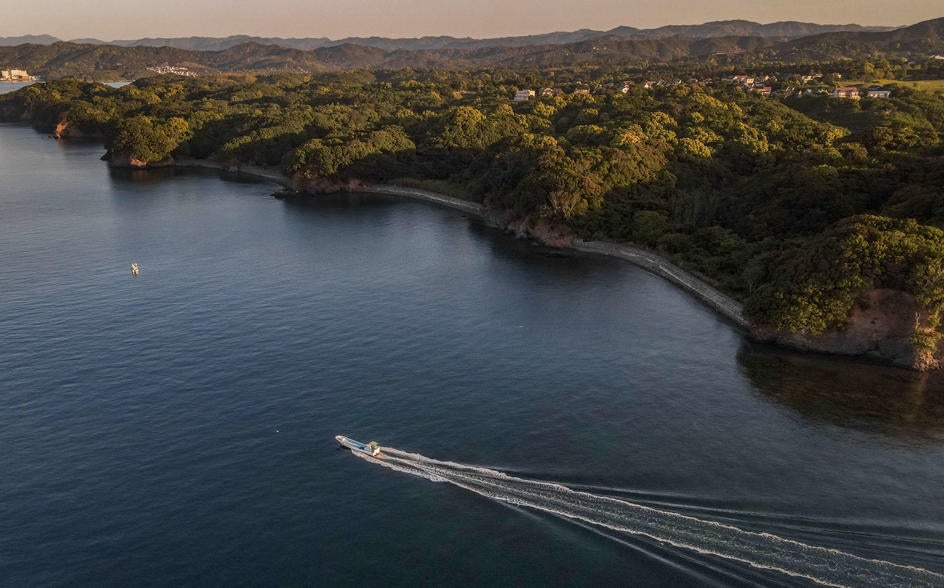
point(885, 345)
point(721, 303)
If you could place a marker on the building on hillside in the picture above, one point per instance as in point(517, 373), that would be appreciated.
point(550, 92)
point(15, 75)
point(172, 69)
point(850, 92)
point(876, 92)
point(523, 95)
point(581, 91)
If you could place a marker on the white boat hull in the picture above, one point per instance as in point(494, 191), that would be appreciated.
point(372, 449)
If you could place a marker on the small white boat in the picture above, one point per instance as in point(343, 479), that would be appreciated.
point(372, 448)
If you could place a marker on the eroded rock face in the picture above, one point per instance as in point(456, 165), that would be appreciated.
point(882, 326)
point(320, 185)
point(68, 130)
point(65, 130)
point(541, 230)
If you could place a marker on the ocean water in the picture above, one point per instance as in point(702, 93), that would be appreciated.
point(176, 428)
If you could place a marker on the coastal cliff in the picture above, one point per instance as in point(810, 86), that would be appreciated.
point(886, 325)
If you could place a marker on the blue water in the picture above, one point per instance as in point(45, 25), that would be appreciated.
point(176, 428)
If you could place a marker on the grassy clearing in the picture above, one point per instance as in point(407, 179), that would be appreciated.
point(926, 85)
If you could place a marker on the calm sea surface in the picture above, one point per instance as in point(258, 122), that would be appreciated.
point(176, 428)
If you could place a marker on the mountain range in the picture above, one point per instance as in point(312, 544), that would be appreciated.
point(729, 28)
point(622, 46)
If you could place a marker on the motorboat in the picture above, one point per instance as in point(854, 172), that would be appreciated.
point(372, 448)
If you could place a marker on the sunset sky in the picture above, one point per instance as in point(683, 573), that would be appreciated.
point(120, 19)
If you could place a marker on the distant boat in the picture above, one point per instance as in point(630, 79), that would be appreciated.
point(372, 448)
point(134, 269)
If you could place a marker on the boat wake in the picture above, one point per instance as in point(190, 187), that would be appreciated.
point(825, 566)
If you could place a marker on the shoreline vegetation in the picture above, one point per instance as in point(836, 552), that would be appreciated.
point(811, 221)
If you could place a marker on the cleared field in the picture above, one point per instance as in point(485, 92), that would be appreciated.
point(926, 85)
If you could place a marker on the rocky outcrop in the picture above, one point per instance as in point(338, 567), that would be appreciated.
point(126, 160)
point(65, 130)
point(886, 325)
point(68, 130)
point(319, 185)
point(525, 227)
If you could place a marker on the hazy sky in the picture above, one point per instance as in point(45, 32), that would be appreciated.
point(124, 19)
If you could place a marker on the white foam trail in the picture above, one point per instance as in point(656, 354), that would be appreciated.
point(822, 565)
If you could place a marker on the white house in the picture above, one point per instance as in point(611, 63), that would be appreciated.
point(850, 92)
point(14, 74)
point(524, 95)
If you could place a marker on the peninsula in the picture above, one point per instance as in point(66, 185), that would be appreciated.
point(811, 211)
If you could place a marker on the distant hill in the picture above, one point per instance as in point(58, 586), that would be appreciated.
point(745, 28)
point(37, 39)
point(922, 38)
point(621, 47)
point(728, 28)
point(97, 62)
point(213, 43)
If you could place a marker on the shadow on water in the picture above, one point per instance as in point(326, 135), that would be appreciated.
point(877, 399)
point(504, 244)
point(156, 176)
point(336, 201)
point(144, 177)
point(537, 264)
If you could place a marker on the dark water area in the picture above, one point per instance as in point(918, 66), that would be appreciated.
point(176, 428)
